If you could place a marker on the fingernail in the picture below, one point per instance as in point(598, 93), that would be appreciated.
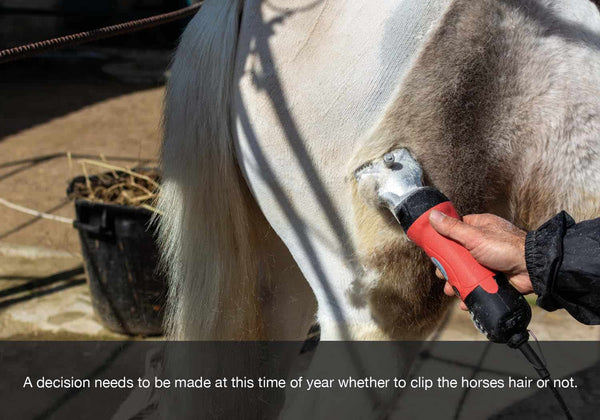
point(436, 216)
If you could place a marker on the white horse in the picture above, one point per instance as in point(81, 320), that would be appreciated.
point(267, 114)
point(286, 100)
point(271, 106)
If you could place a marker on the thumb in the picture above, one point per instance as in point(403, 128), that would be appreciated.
point(466, 235)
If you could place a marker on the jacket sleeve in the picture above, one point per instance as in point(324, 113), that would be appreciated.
point(563, 261)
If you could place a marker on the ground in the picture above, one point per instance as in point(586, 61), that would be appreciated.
point(85, 103)
point(97, 102)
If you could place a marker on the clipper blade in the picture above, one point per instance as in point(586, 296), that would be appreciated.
point(390, 178)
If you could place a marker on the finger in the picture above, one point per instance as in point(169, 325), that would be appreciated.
point(449, 290)
point(463, 306)
point(466, 235)
point(522, 283)
point(482, 219)
point(439, 274)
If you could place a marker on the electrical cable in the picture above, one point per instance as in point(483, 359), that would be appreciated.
point(541, 369)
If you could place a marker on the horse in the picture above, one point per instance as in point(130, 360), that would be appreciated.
point(271, 106)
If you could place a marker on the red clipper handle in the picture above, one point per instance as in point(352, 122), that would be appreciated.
point(457, 264)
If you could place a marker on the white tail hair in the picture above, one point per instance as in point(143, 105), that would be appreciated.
point(208, 246)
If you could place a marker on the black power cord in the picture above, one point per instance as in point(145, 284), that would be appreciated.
point(541, 369)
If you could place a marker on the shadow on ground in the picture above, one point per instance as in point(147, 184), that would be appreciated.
point(37, 90)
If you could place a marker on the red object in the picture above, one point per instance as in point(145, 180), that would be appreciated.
point(463, 272)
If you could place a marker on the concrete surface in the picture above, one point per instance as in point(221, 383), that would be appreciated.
point(44, 296)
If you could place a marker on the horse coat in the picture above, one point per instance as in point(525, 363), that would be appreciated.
point(496, 98)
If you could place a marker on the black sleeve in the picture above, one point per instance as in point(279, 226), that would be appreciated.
point(563, 261)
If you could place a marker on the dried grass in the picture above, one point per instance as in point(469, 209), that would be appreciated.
point(120, 185)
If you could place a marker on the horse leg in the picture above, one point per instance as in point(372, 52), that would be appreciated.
point(288, 304)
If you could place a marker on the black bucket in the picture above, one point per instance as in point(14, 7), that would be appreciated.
point(121, 258)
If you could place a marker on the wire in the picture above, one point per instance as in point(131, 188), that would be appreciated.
point(540, 367)
point(35, 213)
point(539, 346)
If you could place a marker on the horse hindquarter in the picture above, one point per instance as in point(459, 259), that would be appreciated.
point(502, 109)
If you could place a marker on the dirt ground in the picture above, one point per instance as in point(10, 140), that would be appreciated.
point(75, 109)
point(69, 104)
point(85, 103)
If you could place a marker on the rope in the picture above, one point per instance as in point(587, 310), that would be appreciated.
point(36, 213)
point(28, 50)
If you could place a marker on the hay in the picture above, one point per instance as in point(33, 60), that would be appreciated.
point(121, 186)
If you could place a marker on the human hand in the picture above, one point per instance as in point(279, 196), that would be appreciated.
point(494, 242)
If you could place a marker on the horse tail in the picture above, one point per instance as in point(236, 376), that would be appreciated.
point(205, 233)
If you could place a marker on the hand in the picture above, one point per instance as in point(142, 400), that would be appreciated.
point(494, 242)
